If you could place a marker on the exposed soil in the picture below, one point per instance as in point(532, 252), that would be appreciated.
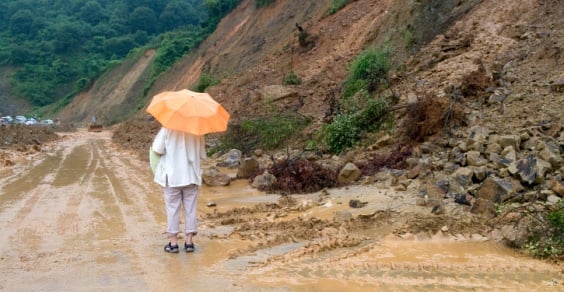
point(83, 215)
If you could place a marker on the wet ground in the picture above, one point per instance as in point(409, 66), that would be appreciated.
point(83, 216)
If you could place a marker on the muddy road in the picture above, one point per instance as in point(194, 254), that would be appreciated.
point(84, 216)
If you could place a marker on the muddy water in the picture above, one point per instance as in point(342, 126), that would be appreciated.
point(83, 216)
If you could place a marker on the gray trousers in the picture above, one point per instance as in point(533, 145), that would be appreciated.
point(174, 197)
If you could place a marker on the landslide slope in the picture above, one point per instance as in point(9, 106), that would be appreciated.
point(500, 60)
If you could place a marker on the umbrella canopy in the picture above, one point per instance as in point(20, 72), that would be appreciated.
point(189, 111)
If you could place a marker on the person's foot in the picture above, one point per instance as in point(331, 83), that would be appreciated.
point(189, 247)
point(171, 248)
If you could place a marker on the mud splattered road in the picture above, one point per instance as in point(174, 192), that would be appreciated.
point(84, 216)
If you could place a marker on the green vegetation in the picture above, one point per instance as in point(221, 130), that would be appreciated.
point(341, 134)
point(548, 240)
point(204, 82)
point(358, 110)
point(261, 3)
point(336, 5)
point(271, 131)
point(368, 71)
point(292, 79)
point(267, 132)
point(60, 47)
point(408, 38)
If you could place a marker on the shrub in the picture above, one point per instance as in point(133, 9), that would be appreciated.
point(547, 239)
point(341, 134)
point(336, 5)
point(372, 66)
point(204, 82)
point(292, 79)
point(270, 132)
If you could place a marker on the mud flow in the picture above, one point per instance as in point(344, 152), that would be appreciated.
point(85, 216)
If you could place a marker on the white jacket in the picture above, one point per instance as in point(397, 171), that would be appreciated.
point(180, 161)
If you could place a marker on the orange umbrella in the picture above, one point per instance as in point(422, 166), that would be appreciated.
point(189, 111)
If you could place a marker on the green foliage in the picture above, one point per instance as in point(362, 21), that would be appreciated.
point(175, 45)
point(336, 5)
point(369, 69)
point(548, 239)
point(271, 131)
point(261, 3)
point(358, 113)
point(90, 34)
point(408, 38)
point(556, 218)
point(268, 132)
point(204, 82)
point(292, 79)
point(341, 134)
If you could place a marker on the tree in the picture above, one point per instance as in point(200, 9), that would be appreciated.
point(92, 12)
point(143, 18)
point(179, 13)
point(21, 21)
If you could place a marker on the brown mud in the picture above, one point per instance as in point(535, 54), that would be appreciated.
point(83, 215)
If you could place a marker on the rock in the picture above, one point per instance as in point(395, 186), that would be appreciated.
point(477, 138)
point(483, 207)
point(357, 204)
point(516, 235)
point(264, 181)
point(509, 153)
point(530, 170)
point(556, 186)
point(214, 177)
point(384, 141)
point(497, 189)
point(438, 209)
point(474, 158)
point(427, 148)
point(276, 92)
point(462, 199)
point(416, 171)
point(499, 161)
point(550, 152)
point(230, 159)
point(480, 173)
point(211, 204)
point(348, 174)
point(493, 148)
point(247, 167)
point(463, 176)
point(552, 200)
point(530, 144)
point(557, 85)
point(510, 140)
point(437, 190)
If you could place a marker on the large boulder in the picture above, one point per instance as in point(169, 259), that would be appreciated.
point(230, 159)
point(348, 174)
point(264, 181)
point(248, 166)
point(530, 170)
point(214, 177)
point(497, 189)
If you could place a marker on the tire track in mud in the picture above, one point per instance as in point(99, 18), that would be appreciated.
point(53, 213)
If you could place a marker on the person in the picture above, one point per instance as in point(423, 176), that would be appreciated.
point(180, 175)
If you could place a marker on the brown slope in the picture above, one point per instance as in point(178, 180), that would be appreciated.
point(113, 96)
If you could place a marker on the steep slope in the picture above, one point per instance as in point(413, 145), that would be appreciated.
point(115, 95)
